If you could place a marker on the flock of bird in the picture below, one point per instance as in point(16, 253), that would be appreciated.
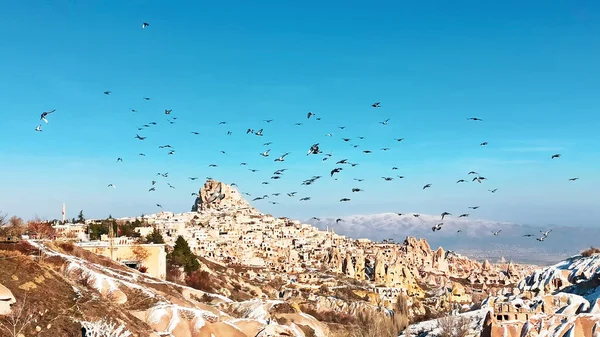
point(340, 166)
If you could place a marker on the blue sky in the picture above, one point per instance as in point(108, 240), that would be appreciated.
point(529, 70)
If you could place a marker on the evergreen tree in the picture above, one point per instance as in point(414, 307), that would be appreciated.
point(182, 256)
point(155, 237)
point(80, 217)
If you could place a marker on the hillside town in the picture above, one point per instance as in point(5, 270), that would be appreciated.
point(226, 229)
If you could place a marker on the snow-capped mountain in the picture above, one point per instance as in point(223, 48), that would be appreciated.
point(476, 237)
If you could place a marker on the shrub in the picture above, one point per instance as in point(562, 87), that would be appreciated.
point(67, 246)
point(453, 326)
point(590, 251)
point(375, 324)
point(174, 274)
point(330, 316)
point(283, 308)
point(199, 280)
point(277, 283)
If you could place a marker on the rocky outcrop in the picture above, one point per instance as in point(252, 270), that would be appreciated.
point(219, 196)
point(559, 301)
point(6, 300)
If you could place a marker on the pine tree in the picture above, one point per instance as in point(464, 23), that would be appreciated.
point(155, 237)
point(80, 217)
point(182, 256)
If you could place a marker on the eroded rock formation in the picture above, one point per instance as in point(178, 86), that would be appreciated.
point(217, 195)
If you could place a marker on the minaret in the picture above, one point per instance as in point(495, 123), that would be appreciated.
point(64, 213)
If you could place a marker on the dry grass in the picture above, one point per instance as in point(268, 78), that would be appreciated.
point(453, 326)
point(590, 251)
point(138, 300)
point(330, 316)
point(200, 280)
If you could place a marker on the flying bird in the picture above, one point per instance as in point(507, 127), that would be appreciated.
point(339, 220)
point(314, 149)
point(145, 24)
point(461, 181)
point(139, 137)
point(336, 170)
point(494, 190)
point(344, 199)
point(555, 156)
point(484, 144)
point(463, 215)
point(398, 139)
point(111, 185)
point(119, 160)
point(573, 179)
point(473, 207)
point(38, 128)
point(282, 157)
point(376, 105)
point(475, 119)
point(46, 113)
point(168, 112)
point(310, 114)
point(444, 214)
point(266, 153)
point(496, 232)
point(107, 92)
point(385, 122)
point(356, 190)
point(427, 186)
point(259, 132)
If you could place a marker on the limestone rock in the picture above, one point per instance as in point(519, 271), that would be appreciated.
point(6, 299)
point(218, 195)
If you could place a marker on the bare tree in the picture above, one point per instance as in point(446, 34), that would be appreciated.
point(453, 326)
point(20, 317)
point(103, 328)
point(42, 229)
point(3, 218)
point(140, 253)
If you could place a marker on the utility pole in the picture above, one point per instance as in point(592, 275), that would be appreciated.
point(111, 234)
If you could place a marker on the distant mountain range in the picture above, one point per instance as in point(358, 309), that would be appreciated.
point(476, 238)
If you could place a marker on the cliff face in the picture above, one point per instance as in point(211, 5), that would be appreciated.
point(218, 196)
point(559, 301)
